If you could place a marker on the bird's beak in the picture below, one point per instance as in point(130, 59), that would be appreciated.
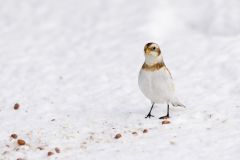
point(147, 51)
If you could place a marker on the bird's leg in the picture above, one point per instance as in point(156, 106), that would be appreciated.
point(149, 114)
point(167, 116)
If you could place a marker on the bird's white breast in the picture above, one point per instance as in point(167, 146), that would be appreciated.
point(156, 85)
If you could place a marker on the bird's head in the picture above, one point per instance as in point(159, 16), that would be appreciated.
point(152, 53)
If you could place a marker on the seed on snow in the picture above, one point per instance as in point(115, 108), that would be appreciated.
point(117, 136)
point(165, 122)
point(16, 106)
point(50, 153)
point(145, 131)
point(57, 150)
point(21, 142)
point(134, 133)
point(14, 136)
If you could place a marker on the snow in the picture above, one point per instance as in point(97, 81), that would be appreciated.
point(73, 66)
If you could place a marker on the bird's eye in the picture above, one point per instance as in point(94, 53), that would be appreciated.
point(154, 48)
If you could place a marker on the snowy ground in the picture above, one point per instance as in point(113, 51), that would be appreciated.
point(72, 66)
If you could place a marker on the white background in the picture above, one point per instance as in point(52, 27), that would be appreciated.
point(77, 62)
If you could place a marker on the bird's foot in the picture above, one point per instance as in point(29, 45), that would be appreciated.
point(164, 117)
point(149, 115)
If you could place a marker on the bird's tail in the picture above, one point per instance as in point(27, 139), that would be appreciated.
point(177, 103)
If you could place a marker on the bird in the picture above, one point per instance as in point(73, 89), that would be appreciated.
point(155, 80)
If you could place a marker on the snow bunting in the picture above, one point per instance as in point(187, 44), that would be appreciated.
point(155, 80)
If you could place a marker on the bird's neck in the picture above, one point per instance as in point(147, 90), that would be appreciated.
point(154, 67)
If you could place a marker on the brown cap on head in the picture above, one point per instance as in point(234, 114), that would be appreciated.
point(152, 47)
